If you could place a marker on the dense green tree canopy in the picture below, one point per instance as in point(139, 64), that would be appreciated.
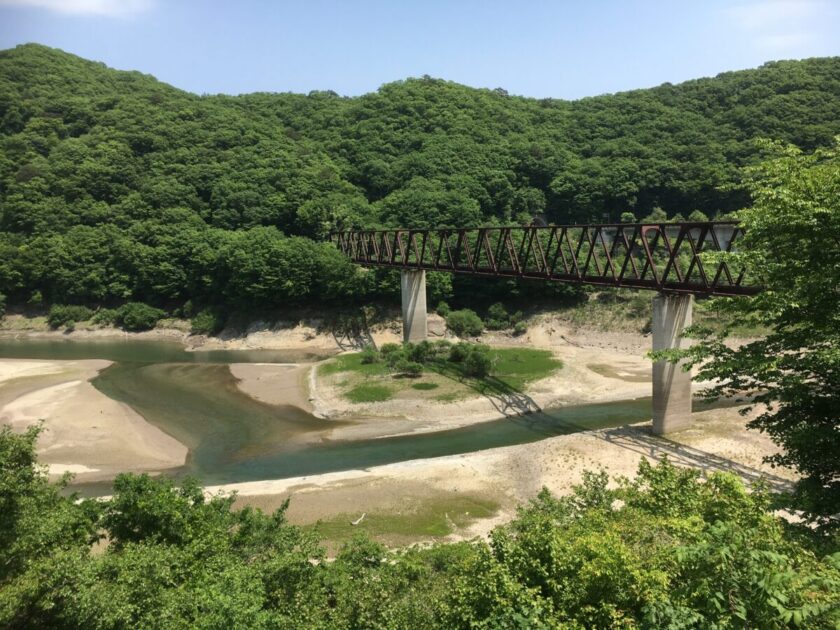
point(666, 550)
point(792, 244)
point(114, 186)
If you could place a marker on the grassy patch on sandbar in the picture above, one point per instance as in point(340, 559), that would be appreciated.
point(351, 362)
point(424, 387)
point(511, 370)
point(517, 367)
point(369, 392)
point(433, 518)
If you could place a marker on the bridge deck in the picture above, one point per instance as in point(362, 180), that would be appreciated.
point(666, 257)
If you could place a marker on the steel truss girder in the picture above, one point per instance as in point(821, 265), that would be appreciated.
point(665, 257)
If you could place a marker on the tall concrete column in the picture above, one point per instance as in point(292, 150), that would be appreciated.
point(413, 287)
point(671, 385)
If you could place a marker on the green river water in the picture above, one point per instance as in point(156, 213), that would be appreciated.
point(231, 437)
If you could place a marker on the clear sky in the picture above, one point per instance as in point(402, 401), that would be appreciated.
point(560, 49)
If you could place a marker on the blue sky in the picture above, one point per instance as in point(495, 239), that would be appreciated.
point(558, 49)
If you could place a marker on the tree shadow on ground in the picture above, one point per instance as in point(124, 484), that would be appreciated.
point(507, 400)
point(351, 331)
point(352, 339)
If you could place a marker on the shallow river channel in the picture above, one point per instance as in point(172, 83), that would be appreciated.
point(231, 437)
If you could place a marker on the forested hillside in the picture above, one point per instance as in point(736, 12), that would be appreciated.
point(114, 186)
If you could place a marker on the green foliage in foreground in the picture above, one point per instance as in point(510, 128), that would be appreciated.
point(665, 550)
point(792, 245)
point(477, 363)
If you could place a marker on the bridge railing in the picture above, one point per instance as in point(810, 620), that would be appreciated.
point(665, 257)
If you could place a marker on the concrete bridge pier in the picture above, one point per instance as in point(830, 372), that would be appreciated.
point(671, 385)
point(413, 289)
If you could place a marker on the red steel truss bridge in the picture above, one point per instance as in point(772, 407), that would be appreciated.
point(665, 257)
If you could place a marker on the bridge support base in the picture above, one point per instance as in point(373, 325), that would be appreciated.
point(671, 385)
point(413, 288)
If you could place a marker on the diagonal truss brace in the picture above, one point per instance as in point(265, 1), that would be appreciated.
point(665, 257)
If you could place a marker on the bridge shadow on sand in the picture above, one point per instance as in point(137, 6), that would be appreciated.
point(641, 440)
point(508, 401)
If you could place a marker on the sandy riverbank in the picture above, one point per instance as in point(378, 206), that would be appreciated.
point(96, 437)
point(22, 327)
point(85, 432)
point(275, 383)
point(596, 368)
point(509, 476)
point(308, 334)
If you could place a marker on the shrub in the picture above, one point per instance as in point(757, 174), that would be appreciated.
point(477, 363)
point(206, 322)
point(104, 316)
point(459, 352)
point(497, 311)
point(369, 355)
point(408, 368)
point(393, 355)
point(393, 359)
point(441, 348)
point(497, 317)
point(136, 316)
point(465, 323)
point(520, 328)
point(419, 352)
point(443, 309)
point(657, 215)
point(64, 315)
point(2, 305)
point(388, 349)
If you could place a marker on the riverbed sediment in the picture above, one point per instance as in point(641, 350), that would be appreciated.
point(84, 431)
point(509, 476)
point(96, 437)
